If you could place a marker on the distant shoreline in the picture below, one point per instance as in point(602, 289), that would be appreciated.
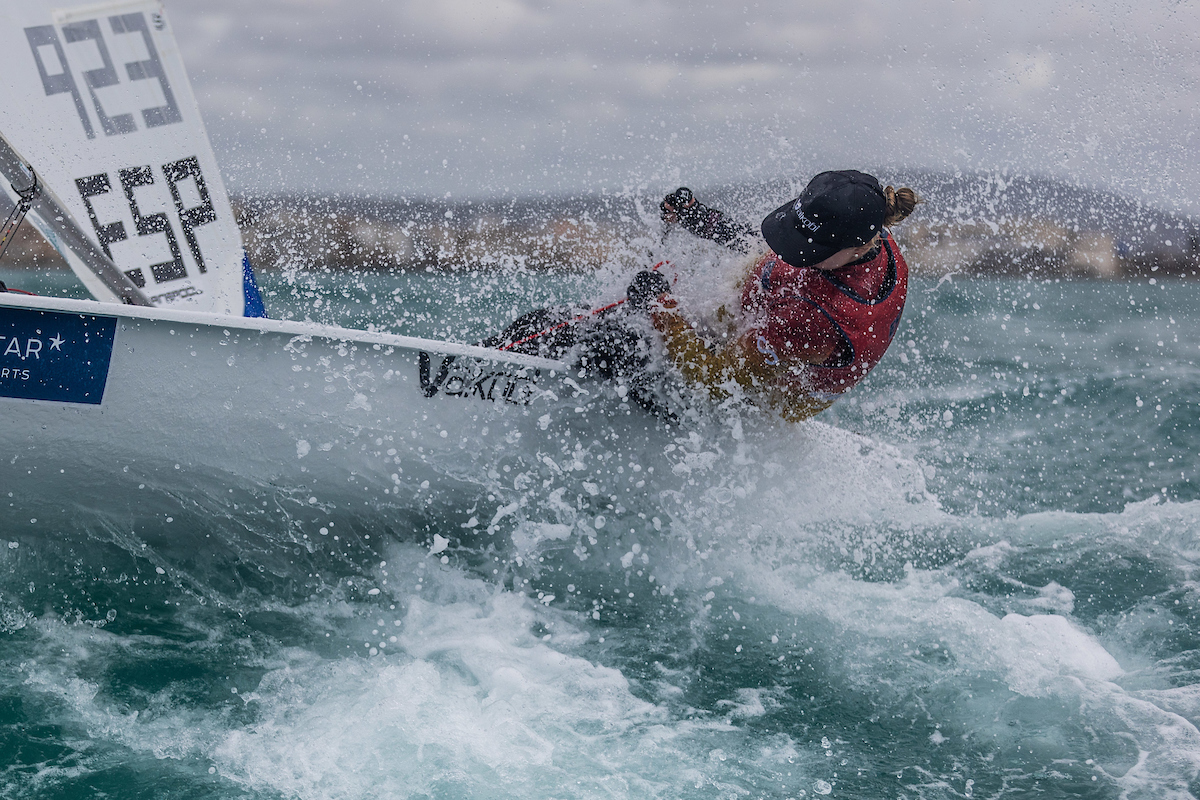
point(980, 225)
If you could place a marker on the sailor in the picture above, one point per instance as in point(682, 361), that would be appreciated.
point(818, 308)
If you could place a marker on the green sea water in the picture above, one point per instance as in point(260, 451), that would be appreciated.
point(973, 577)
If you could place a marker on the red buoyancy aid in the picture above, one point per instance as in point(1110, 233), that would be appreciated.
point(866, 324)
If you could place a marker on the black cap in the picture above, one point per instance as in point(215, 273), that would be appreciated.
point(835, 211)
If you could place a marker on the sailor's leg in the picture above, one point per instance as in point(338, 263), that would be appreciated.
point(618, 347)
point(541, 332)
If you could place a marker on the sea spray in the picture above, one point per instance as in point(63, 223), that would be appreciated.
point(869, 604)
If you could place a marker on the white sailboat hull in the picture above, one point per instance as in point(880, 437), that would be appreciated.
point(275, 402)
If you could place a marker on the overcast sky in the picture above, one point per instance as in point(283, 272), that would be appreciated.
point(476, 98)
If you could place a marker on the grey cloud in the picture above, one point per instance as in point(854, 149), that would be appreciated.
point(510, 96)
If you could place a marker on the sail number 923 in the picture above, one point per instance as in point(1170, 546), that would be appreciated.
point(89, 43)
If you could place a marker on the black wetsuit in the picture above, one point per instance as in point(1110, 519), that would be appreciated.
point(612, 345)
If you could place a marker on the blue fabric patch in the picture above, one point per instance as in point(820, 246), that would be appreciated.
point(49, 355)
point(253, 306)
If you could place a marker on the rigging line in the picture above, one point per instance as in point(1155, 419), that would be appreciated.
point(563, 324)
point(17, 215)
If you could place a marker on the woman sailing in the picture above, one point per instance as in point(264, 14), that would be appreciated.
point(817, 311)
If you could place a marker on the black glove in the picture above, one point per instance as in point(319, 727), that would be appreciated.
point(676, 203)
point(647, 285)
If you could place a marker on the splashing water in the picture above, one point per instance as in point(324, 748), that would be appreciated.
point(971, 578)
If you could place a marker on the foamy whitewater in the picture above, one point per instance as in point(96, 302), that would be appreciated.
point(974, 577)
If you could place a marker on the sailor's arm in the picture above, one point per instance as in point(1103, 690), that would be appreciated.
point(708, 223)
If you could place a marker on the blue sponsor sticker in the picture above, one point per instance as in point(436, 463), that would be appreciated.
point(49, 355)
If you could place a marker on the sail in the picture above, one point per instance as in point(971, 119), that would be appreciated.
point(95, 99)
